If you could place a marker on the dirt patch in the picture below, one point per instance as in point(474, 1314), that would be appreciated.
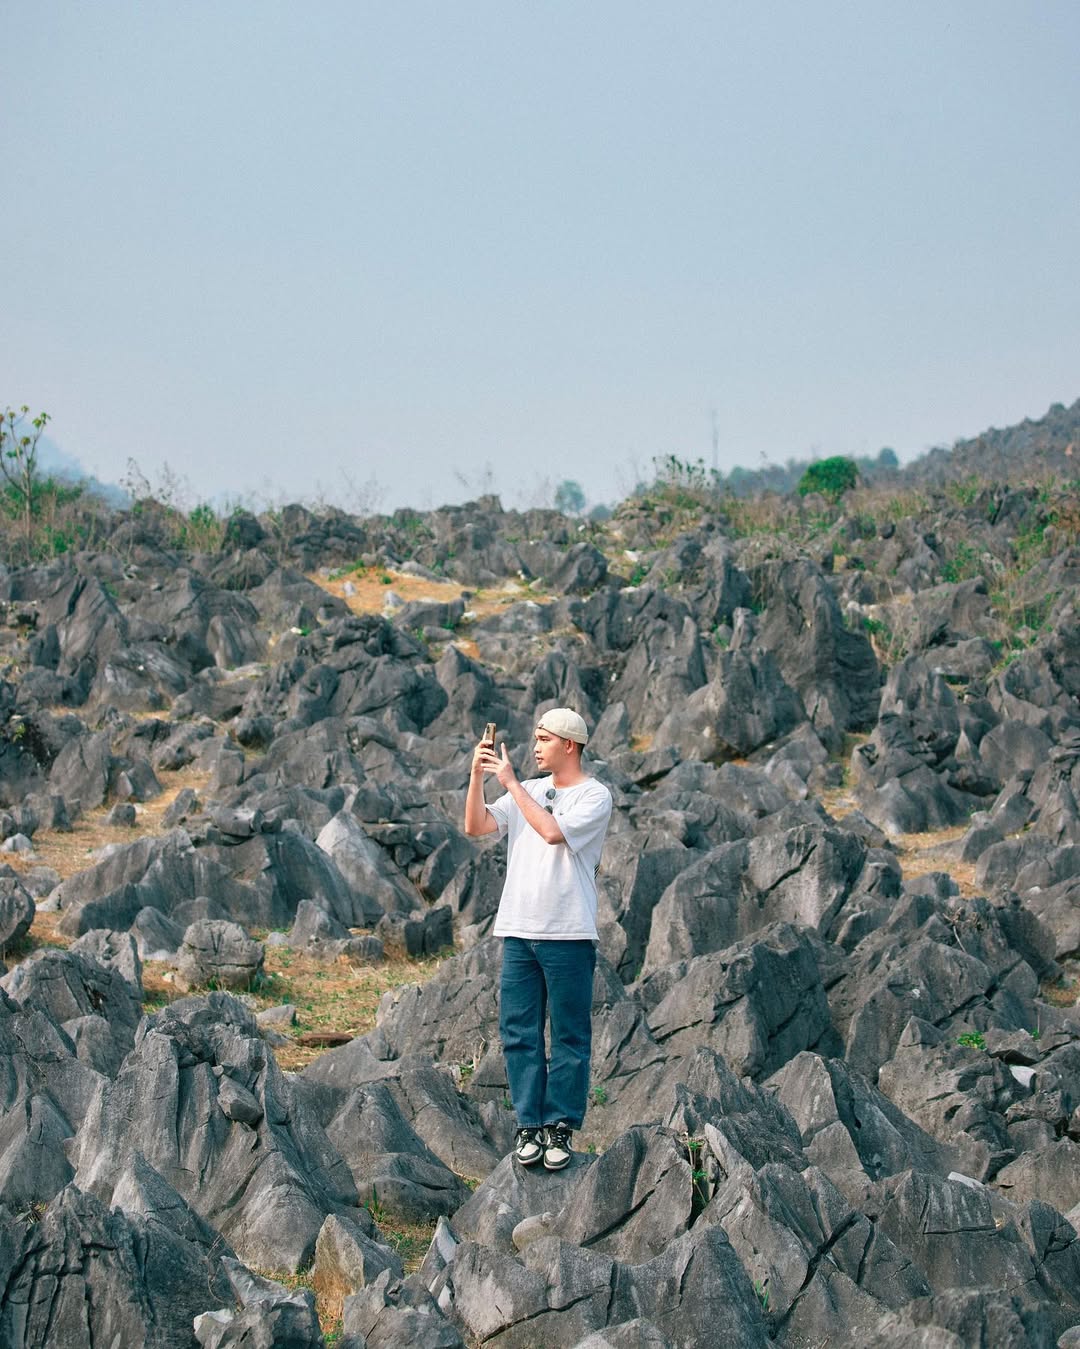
point(937, 850)
point(370, 586)
point(68, 853)
point(339, 995)
point(918, 854)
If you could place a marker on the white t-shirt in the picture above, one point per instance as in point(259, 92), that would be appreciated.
point(550, 889)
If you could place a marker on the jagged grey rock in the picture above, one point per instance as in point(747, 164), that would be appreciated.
point(266, 1184)
point(16, 910)
point(268, 1315)
point(87, 1275)
point(758, 1003)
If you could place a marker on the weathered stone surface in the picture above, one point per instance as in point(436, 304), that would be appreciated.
point(267, 1314)
point(758, 1003)
point(16, 911)
point(88, 1276)
point(826, 1271)
point(217, 954)
point(800, 876)
point(957, 1093)
point(512, 1193)
point(852, 1131)
point(635, 1200)
point(831, 667)
point(390, 1163)
point(744, 706)
point(390, 1313)
point(266, 1184)
point(947, 1229)
point(347, 1257)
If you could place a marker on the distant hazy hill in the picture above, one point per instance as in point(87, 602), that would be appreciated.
point(1049, 445)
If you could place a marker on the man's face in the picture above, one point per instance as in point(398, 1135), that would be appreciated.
point(551, 753)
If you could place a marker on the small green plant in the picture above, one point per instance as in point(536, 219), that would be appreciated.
point(374, 1207)
point(1036, 1034)
point(972, 1039)
point(598, 1095)
point(761, 1288)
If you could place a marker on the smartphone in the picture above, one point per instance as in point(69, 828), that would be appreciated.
point(489, 736)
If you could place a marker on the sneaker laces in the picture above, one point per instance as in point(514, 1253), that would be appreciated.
point(558, 1135)
point(528, 1135)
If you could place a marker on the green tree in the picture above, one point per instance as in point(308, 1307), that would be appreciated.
point(831, 477)
point(569, 497)
point(18, 461)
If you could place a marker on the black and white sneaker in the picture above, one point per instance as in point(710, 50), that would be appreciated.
point(529, 1146)
point(557, 1150)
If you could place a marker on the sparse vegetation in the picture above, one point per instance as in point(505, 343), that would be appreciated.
point(972, 1040)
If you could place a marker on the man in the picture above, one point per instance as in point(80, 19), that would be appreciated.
point(555, 827)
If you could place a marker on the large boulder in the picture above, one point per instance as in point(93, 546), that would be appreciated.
point(218, 954)
point(801, 875)
point(746, 704)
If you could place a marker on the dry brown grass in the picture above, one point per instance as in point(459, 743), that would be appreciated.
point(68, 853)
point(937, 851)
point(370, 586)
point(339, 995)
point(918, 854)
point(330, 996)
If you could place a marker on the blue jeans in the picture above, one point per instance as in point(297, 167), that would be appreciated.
point(542, 978)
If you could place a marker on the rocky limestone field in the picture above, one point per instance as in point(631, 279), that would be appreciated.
point(252, 1086)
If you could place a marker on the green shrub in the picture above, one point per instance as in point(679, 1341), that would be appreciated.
point(829, 477)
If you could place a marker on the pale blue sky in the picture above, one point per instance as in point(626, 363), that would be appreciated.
point(289, 248)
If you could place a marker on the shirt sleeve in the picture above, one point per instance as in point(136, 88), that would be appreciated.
point(500, 812)
point(585, 822)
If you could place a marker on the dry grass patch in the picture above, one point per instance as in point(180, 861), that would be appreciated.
point(68, 853)
point(1064, 991)
point(936, 850)
point(339, 995)
point(370, 585)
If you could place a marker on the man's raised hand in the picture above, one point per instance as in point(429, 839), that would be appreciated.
point(503, 769)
